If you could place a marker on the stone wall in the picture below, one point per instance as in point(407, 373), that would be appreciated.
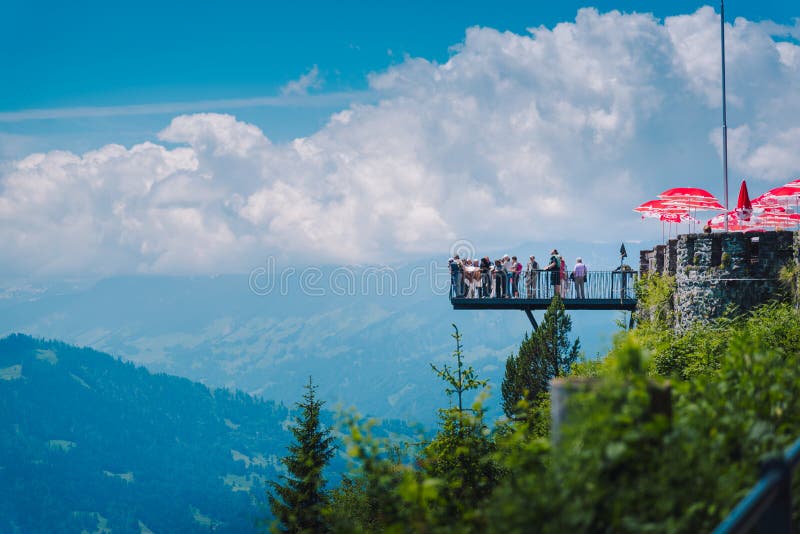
point(714, 272)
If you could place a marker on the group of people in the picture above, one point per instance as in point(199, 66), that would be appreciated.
point(484, 278)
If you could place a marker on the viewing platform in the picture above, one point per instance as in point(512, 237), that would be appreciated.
point(602, 290)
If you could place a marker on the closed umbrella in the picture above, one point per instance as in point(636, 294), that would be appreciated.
point(743, 206)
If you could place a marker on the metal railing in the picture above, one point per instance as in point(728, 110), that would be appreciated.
point(540, 284)
point(768, 506)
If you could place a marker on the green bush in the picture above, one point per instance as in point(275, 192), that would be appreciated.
point(625, 459)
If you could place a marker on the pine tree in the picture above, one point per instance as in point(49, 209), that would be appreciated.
point(297, 501)
point(554, 334)
point(527, 375)
point(545, 355)
point(460, 455)
point(461, 379)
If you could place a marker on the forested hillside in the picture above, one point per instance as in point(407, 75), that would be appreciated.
point(91, 442)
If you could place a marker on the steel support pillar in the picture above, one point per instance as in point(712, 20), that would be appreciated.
point(532, 319)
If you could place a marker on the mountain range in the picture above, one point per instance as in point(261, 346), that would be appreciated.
point(94, 444)
point(367, 335)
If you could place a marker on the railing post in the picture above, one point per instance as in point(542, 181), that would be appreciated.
point(778, 516)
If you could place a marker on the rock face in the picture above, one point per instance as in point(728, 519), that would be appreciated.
point(714, 272)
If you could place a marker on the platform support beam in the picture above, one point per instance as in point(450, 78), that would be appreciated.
point(532, 319)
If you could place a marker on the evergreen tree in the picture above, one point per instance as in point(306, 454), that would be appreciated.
point(460, 455)
point(461, 379)
point(297, 502)
point(554, 335)
point(545, 355)
point(527, 375)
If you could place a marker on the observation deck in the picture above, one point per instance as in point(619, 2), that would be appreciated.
point(602, 290)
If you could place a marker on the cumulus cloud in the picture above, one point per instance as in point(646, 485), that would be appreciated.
point(550, 135)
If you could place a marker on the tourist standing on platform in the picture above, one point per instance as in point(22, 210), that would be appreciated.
point(555, 272)
point(579, 273)
point(508, 270)
point(455, 277)
point(469, 281)
point(517, 269)
point(531, 274)
point(493, 275)
point(486, 283)
point(564, 280)
point(499, 280)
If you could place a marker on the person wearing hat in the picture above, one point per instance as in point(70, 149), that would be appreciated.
point(579, 273)
point(555, 272)
point(531, 275)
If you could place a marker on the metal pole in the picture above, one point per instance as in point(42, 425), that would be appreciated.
point(724, 111)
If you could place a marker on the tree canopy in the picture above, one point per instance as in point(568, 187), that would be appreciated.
point(546, 354)
point(298, 500)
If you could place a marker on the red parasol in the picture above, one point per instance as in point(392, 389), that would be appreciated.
point(686, 193)
point(734, 225)
point(655, 208)
point(783, 192)
point(778, 219)
point(671, 217)
point(697, 204)
point(744, 207)
point(765, 201)
point(663, 211)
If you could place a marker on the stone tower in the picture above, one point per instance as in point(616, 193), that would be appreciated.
point(716, 271)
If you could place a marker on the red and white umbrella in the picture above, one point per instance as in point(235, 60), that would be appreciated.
point(656, 208)
point(784, 192)
point(778, 219)
point(696, 204)
point(734, 223)
point(691, 198)
point(686, 193)
point(765, 201)
point(665, 212)
point(785, 195)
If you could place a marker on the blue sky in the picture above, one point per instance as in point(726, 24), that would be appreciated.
point(92, 53)
point(197, 137)
point(101, 53)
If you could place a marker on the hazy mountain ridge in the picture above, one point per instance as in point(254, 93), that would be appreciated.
point(89, 440)
point(369, 350)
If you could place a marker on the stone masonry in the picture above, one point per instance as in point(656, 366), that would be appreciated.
point(714, 272)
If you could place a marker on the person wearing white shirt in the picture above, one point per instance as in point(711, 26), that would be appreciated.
point(579, 273)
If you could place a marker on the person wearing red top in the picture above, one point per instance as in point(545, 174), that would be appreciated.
point(564, 281)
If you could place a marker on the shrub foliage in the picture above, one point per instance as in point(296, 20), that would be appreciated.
point(625, 459)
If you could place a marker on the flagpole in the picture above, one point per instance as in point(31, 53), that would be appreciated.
point(724, 111)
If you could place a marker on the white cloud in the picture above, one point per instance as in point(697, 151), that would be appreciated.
point(300, 86)
point(170, 108)
point(547, 136)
